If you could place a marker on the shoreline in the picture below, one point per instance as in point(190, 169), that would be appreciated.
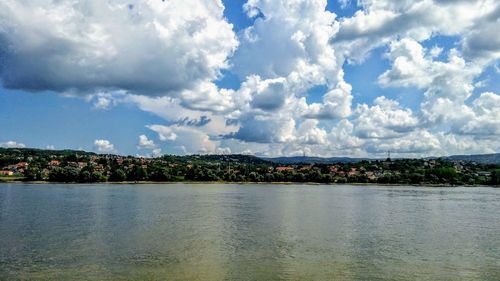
point(236, 183)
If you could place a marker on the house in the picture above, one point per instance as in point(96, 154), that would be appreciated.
point(333, 169)
point(306, 168)
point(283, 169)
point(6, 173)
point(353, 172)
point(99, 168)
point(370, 175)
point(54, 163)
point(22, 165)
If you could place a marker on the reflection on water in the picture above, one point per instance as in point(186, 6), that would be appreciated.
point(248, 232)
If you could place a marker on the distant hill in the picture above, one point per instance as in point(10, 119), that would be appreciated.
point(478, 158)
point(232, 158)
point(249, 159)
point(225, 158)
point(315, 160)
point(41, 152)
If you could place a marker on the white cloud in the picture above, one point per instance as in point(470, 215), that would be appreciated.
point(382, 21)
point(165, 133)
point(290, 33)
point(485, 120)
point(145, 143)
point(156, 152)
point(409, 65)
point(435, 51)
point(104, 146)
point(385, 119)
point(206, 96)
point(266, 129)
point(289, 50)
point(342, 137)
point(482, 41)
point(309, 133)
point(187, 139)
point(336, 104)
point(418, 143)
point(147, 47)
point(447, 85)
point(12, 144)
point(344, 3)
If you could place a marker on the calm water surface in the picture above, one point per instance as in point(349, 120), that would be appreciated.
point(248, 232)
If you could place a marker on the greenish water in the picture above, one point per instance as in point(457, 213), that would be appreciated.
point(248, 232)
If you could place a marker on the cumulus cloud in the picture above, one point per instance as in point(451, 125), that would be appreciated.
point(309, 133)
point(285, 53)
point(104, 146)
point(485, 118)
point(147, 47)
point(481, 41)
point(380, 22)
point(385, 119)
point(420, 142)
point(12, 144)
point(145, 143)
point(412, 66)
point(446, 84)
point(289, 33)
point(156, 152)
point(288, 48)
point(336, 104)
point(265, 129)
point(187, 139)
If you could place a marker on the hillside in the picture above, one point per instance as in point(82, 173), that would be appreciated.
point(314, 160)
point(478, 158)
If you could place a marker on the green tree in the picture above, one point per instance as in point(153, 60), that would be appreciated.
point(495, 177)
point(160, 174)
point(118, 175)
point(33, 173)
point(84, 176)
point(137, 173)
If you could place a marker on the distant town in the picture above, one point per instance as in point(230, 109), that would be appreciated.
point(86, 167)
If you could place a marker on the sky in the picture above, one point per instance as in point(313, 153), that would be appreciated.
point(261, 77)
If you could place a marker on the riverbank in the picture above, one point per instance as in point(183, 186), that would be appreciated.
point(20, 181)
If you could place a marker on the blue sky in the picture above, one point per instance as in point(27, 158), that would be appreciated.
point(326, 78)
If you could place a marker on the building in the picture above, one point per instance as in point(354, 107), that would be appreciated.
point(6, 173)
point(22, 165)
point(283, 169)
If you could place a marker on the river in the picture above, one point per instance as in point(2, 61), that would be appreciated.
point(248, 232)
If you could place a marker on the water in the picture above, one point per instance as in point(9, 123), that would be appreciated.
point(248, 232)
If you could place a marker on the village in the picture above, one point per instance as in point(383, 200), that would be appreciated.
point(78, 166)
